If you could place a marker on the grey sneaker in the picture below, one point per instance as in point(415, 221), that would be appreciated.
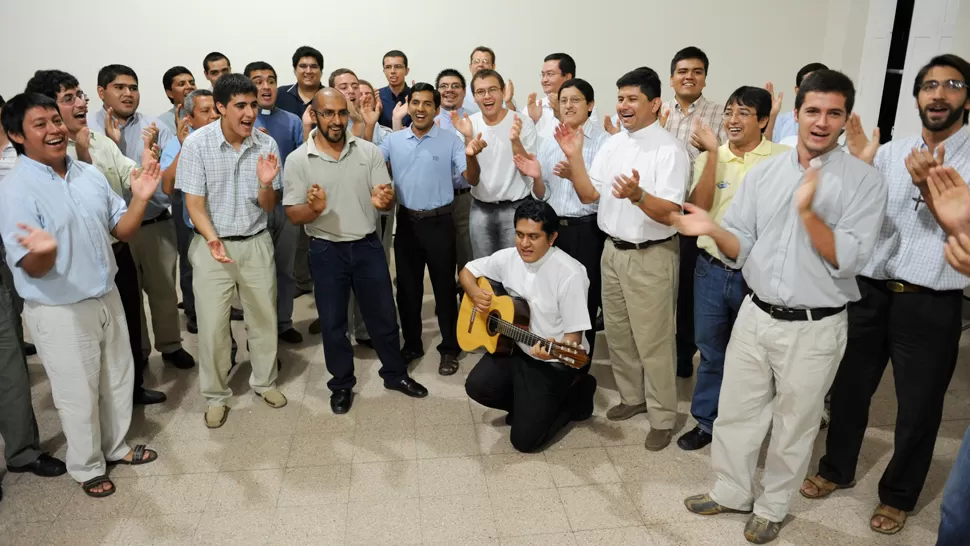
point(658, 439)
point(622, 412)
point(759, 530)
point(704, 505)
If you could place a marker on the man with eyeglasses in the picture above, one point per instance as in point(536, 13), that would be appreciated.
point(579, 236)
point(308, 68)
point(556, 69)
point(451, 87)
point(483, 58)
point(912, 302)
point(501, 187)
point(394, 96)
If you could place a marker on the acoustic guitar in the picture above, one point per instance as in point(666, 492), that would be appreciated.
point(505, 324)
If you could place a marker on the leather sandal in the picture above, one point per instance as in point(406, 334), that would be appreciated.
point(89, 486)
point(137, 457)
point(823, 486)
point(884, 511)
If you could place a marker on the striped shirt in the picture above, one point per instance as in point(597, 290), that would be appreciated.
point(210, 167)
point(910, 243)
point(560, 192)
point(680, 123)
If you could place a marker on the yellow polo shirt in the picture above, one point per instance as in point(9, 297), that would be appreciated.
point(731, 170)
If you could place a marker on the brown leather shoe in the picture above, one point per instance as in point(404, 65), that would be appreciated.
point(658, 439)
point(622, 412)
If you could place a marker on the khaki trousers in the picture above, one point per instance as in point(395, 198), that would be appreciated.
point(155, 252)
point(253, 274)
point(776, 374)
point(85, 349)
point(639, 301)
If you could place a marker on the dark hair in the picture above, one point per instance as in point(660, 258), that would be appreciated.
point(15, 110)
point(806, 70)
point(566, 63)
point(211, 58)
point(827, 81)
point(540, 212)
point(108, 74)
point(488, 73)
point(50, 82)
point(2, 102)
point(449, 72)
point(168, 78)
point(953, 61)
point(340, 72)
point(423, 86)
point(230, 85)
point(483, 49)
point(582, 85)
point(752, 97)
point(395, 53)
point(689, 53)
point(307, 51)
point(645, 78)
point(258, 65)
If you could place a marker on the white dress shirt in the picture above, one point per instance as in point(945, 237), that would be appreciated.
point(500, 180)
point(664, 168)
point(546, 126)
point(8, 158)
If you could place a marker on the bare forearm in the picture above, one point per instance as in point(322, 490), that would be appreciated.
point(823, 238)
point(131, 220)
point(266, 198)
point(473, 170)
point(770, 128)
point(369, 132)
point(703, 194)
point(539, 187)
point(301, 214)
point(581, 182)
point(518, 148)
point(727, 243)
point(168, 177)
point(358, 130)
point(38, 265)
point(658, 209)
point(200, 217)
point(469, 283)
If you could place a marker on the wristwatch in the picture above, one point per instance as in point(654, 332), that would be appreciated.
point(643, 195)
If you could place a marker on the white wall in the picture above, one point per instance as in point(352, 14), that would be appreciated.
point(749, 42)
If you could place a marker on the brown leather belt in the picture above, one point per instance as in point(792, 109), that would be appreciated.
point(422, 214)
point(902, 287)
point(160, 218)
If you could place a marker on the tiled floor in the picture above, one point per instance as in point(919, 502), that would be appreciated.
point(433, 471)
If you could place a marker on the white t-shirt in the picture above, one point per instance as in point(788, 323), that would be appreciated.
point(500, 180)
point(664, 168)
point(556, 288)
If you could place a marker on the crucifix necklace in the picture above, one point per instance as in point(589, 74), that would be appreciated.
point(918, 199)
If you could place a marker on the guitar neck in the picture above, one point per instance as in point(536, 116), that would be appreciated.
point(520, 335)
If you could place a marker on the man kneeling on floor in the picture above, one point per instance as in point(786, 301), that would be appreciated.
point(540, 393)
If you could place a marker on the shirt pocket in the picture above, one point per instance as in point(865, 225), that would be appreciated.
point(829, 202)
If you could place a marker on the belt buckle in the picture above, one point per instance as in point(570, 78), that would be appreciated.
point(895, 287)
point(563, 222)
point(772, 309)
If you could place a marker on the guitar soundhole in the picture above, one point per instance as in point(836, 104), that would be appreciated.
point(490, 325)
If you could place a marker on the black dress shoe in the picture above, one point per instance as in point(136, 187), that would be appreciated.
point(192, 324)
point(364, 343)
point(410, 355)
point(236, 314)
point(580, 398)
point(44, 465)
point(600, 324)
point(409, 387)
point(341, 400)
point(694, 440)
point(291, 336)
point(302, 292)
point(147, 397)
point(180, 359)
point(181, 305)
point(314, 327)
point(30, 349)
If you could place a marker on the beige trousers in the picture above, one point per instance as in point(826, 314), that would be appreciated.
point(639, 303)
point(86, 352)
point(156, 255)
point(215, 284)
point(776, 374)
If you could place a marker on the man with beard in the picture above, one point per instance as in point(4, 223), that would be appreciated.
point(335, 184)
point(427, 162)
point(911, 306)
point(308, 68)
point(451, 87)
point(801, 227)
point(230, 174)
point(177, 82)
point(96, 149)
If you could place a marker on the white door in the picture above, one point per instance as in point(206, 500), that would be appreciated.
point(930, 34)
point(875, 60)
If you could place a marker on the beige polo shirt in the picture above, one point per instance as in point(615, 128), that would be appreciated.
point(347, 181)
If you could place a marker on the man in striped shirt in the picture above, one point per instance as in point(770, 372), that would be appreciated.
point(579, 236)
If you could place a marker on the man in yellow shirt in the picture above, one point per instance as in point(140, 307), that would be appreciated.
point(719, 289)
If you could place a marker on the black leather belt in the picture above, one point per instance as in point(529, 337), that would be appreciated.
point(160, 218)
point(236, 238)
point(462, 191)
point(620, 244)
point(716, 262)
point(576, 220)
point(422, 214)
point(793, 315)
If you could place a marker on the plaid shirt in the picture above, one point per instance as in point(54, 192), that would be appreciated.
point(209, 166)
point(679, 123)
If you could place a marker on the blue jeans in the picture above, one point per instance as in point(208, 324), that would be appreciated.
point(718, 293)
point(955, 512)
point(338, 268)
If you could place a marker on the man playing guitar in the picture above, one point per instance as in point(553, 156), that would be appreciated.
point(540, 393)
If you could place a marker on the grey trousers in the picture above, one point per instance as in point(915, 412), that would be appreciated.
point(463, 241)
point(18, 427)
point(285, 240)
point(491, 226)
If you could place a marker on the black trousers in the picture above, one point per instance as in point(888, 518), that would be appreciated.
point(584, 242)
point(420, 242)
point(535, 393)
point(127, 282)
point(920, 333)
point(686, 348)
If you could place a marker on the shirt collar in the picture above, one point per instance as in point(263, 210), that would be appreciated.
point(953, 142)
point(246, 143)
point(589, 128)
point(134, 118)
point(432, 133)
point(822, 160)
point(535, 266)
point(44, 168)
point(312, 151)
point(645, 132)
point(725, 155)
point(693, 106)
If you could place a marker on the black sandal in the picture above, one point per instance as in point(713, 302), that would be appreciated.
point(448, 366)
point(89, 486)
point(137, 457)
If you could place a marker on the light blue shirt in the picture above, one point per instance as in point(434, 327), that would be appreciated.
point(785, 126)
point(427, 169)
point(444, 121)
point(79, 211)
point(469, 104)
point(169, 153)
point(560, 193)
